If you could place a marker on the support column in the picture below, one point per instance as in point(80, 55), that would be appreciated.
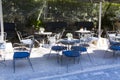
point(99, 27)
point(99, 42)
point(1, 23)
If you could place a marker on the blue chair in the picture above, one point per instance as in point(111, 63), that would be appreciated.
point(81, 49)
point(114, 48)
point(26, 40)
point(21, 51)
point(57, 48)
point(113, 45)
point(71, 54)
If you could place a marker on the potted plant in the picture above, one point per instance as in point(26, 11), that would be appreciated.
point(37, 24)
point(69, 36)
point(42, 29)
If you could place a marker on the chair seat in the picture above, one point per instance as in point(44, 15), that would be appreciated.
point(79, 48)
point(70, 53)
point(115, 48)
point(21, 54)
point(2, 45)
point(26, 41)
point(114, 43)
point(58, 48)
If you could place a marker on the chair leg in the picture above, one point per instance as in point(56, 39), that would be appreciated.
point(14, 65)
point(89, 57)
point(61, 59)
point(2, 61)
point(114, 53)
point(37, 42)
point(79, 60)
point(105, 53)
point(49, 54)
point(74, 60)
point(68, 64)
point(30, 63)
point(58, 57)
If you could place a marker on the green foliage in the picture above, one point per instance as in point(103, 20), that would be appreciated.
point(26, 11)
point(37, 24)
point(109, 14)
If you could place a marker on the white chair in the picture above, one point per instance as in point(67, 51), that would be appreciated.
point(3, 47)
point(52, 40)
point(21, 51)
point(60, 34)
point(26, 40)
point(5, 36)
point(111, 35)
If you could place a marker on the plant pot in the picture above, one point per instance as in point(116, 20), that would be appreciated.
point(69, 38)
point(42, 31)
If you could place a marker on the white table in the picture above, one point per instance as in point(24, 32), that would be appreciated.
point(83, 35)
point(83, 31)
point(46, 34)
point(68, 42)
point(43, 33)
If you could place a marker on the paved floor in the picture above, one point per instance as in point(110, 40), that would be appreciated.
point(103, 66)
point(108, 73)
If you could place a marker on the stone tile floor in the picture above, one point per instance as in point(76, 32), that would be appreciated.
point(102, 67)
point(102, 74)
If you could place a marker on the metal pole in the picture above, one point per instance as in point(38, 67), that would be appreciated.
point(1, 22)
point(99, 27)
point(40, 13)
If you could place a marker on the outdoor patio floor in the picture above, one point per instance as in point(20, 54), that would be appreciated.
point(49, 69)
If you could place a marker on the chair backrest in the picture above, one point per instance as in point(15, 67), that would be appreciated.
point(52, 39)
point(111, 35)
point(18, 47)
point(31, 45)
point(60, 34)
point(19, 35)
point(5, 36)
point(57, 35)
